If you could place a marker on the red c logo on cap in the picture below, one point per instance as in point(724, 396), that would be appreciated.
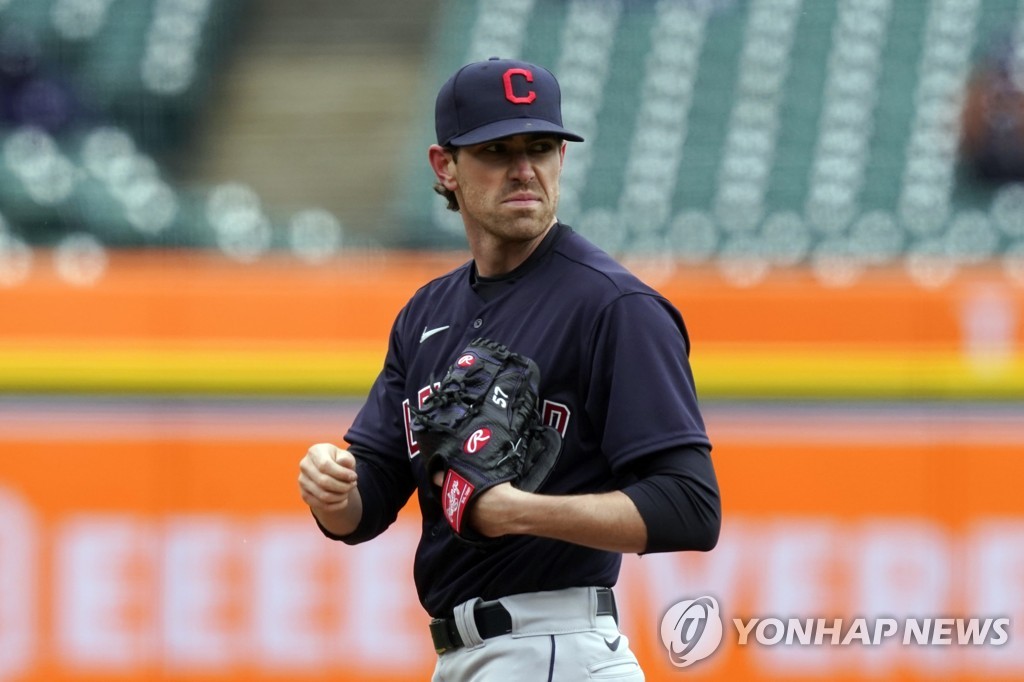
point(510, 94)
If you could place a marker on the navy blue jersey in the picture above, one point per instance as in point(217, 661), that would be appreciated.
point(615, 381)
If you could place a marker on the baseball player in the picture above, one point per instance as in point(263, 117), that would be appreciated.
point(518, 582)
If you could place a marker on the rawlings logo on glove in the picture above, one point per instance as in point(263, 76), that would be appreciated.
point(481, 427)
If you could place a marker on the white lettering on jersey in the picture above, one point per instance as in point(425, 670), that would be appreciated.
point(412, 446)
point(556, 415)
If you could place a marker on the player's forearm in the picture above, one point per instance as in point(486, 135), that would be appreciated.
point(608, 521)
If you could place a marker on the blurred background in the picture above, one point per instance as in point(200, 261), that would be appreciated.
point(212, 210)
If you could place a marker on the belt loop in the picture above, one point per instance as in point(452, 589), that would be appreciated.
point(465, 621)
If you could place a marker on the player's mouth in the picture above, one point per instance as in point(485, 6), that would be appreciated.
point(522, 200)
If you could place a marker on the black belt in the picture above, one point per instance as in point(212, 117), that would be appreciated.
point(494, 619)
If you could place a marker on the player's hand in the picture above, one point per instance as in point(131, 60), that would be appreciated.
point(327, 477)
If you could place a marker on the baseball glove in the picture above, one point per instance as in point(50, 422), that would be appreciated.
point(481, 427)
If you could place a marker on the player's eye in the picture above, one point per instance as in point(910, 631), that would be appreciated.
point(543, 147)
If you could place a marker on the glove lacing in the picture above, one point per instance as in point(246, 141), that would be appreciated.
point(453, 392)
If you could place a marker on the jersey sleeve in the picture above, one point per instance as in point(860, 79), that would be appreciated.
point(377, 439)
point(678, 498)
point(641, 393)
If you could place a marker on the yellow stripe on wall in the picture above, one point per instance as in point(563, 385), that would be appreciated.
point(720, 372)
point(853, 373)
point(188, 370)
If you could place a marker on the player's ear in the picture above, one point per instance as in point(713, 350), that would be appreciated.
point(442, 162)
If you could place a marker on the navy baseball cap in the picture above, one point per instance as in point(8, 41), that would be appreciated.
point(498, 98)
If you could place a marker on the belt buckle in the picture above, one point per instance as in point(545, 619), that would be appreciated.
point(439, 634)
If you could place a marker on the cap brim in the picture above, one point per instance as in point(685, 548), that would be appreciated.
point(510, 127)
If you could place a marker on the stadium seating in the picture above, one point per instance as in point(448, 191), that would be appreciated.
point(778, 130)
point(772, 132)
point(96, 94)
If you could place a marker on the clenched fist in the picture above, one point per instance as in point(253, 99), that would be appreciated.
point(327, 483)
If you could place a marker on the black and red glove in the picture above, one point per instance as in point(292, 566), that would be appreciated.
point(482, 426)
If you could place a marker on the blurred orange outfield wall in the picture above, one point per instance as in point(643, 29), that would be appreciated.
point(148, 541)
point(192, 321)
point(152, 537)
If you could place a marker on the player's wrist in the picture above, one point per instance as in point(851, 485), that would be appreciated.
point(501, 510)
point(340, 519)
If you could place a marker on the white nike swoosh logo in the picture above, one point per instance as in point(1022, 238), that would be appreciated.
point(427, 333)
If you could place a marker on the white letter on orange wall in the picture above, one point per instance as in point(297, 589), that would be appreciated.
point(200, 593)
point(290, 618)
point(995, 589)
point(18, 533)
point(385, 619)
point(904, 570)
point(798, 558)
point(104, 603)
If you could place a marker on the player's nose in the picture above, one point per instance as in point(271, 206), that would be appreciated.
point(521, 167)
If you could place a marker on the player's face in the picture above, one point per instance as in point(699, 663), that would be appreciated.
point(508, 188)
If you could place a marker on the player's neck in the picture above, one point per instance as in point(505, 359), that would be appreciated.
point(495, 257)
